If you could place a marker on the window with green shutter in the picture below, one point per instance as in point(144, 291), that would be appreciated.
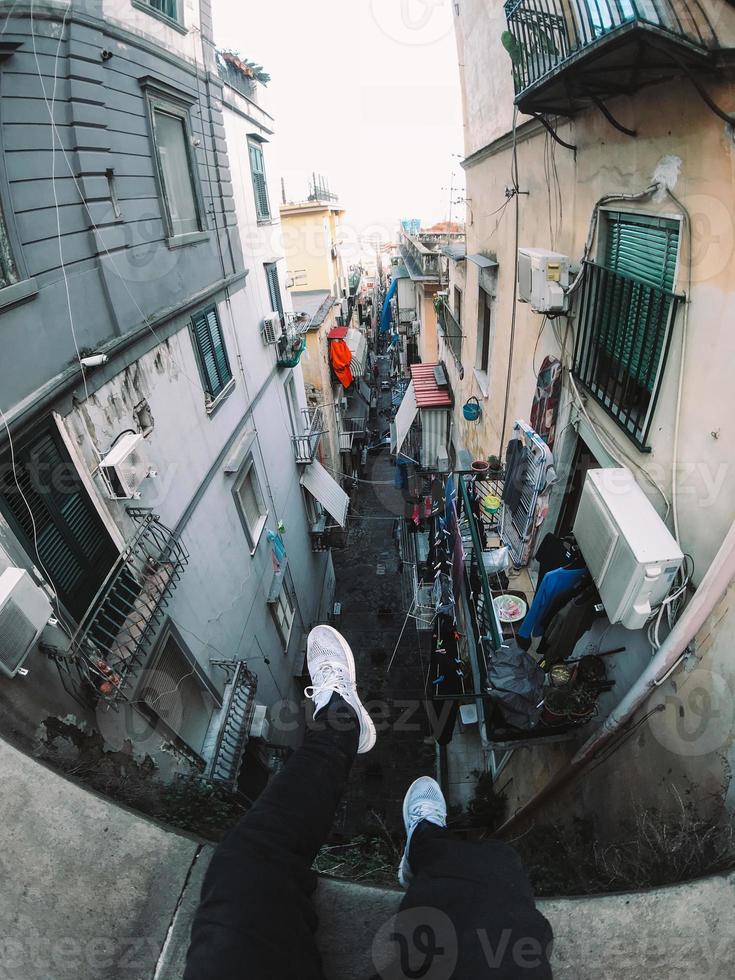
point(260, 187)
point(55, 520)
point(626, 310)
point(274, 287)
point(211, 351)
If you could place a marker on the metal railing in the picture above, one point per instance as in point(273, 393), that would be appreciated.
point(347, 429)
point(118, 632)
point(306, 445)
point(543, 34)
point(292, 343)
point(451, 330)
point(487, 624)
point(622, 341)
point(237, 719)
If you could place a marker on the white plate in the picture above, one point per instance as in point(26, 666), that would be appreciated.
point(501, 600)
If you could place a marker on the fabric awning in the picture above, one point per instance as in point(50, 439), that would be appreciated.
point(405, 416)
point(357, 343)
point(327, 491)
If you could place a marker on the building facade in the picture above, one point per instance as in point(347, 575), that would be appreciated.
point(152, 420)
point(621, 176)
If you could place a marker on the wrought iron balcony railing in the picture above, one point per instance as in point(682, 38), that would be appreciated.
point(451, 330)
point(306, 445)
point(623, 333)
point(568, 52)
point(237, 718)
point(118, 632)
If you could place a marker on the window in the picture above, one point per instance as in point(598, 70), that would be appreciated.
point(484, 332)
point(274, 287)
point(283, 613)
point(625, 314)
point(211, 352)
point(172, 690)
point(62, 531)
point(8, 271)
point(250, 502)
point(314, 510)
point(260, 187)
point(176, 171)
point(169, 8)
point(458, 304)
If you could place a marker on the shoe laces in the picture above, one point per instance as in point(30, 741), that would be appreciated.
point(329, 677)
point(427, 810)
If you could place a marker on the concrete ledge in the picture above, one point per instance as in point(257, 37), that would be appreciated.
point(92, 891)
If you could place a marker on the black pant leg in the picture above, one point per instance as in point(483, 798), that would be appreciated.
point(471, 909)
point(255, 919)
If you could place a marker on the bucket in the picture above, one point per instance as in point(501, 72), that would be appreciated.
point(490, 504)
point(472, 410)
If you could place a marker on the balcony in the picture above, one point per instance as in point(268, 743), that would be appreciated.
point(306, 445)
point(451, 331)
point(292, 342)
point(117, 635)
point(568, 54)
point(236, 719)
point(623, 333)
point(325, 536)
point(347, 430)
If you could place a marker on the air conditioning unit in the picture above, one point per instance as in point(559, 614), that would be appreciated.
point(631, 555)
point(125, 467)
point(24, 611)
point(270, 329)
point(261, 726)
point(543, 279)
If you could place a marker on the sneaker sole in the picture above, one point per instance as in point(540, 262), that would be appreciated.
point(368, 735)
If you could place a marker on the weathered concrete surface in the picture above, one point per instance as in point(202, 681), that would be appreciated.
point(89, 890)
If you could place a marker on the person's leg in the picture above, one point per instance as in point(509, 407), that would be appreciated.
point(255, 917)
point(469, 907)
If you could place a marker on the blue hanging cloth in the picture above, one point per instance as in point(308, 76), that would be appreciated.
point(386, 317)
point(279, 548)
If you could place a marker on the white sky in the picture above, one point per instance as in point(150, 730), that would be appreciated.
point(365, 92)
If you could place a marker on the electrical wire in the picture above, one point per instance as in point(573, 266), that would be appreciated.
point(514, 178)
point(682, 364)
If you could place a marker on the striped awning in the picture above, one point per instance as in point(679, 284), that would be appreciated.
point(404, 418)
point(357, 343)
point(327, 491)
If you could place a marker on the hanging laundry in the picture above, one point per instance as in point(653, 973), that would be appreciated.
point(340, 356)
point(516, 473)
point(416, 515)
point(546, 400)
point(554, 552)
point(444, 595)
point(555, 583)
point(569, 625)
point(276, 542)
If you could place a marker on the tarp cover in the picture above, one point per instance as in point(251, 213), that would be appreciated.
point(516, 686)
point(341, 357)
point(386, 316)
point(404, 419)
point(327, 491)
point(357, 343)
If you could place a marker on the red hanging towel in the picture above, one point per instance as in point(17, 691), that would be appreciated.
point(341, 358)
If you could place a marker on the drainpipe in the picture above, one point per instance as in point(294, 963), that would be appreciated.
point(714, 585)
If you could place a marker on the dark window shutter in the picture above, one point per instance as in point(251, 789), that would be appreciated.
point(74, 546)
point(260, 187)
point(274, 287)
point(643, 248)
point(211, 349)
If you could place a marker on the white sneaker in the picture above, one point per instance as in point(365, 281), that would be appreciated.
point(332, 669)
point(424, 801)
